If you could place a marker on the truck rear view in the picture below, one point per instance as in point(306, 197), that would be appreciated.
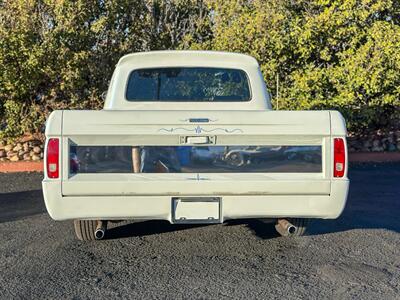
point(189, 137)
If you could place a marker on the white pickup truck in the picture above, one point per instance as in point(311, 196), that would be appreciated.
point(190, 137)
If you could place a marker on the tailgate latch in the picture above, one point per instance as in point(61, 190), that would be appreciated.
point(197, 140)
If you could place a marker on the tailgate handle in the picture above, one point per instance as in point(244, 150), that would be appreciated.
point(197, 140)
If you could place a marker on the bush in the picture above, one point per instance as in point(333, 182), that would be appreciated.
point(342, 54)
point(61, 54)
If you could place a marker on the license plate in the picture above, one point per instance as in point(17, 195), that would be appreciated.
point(196, 210)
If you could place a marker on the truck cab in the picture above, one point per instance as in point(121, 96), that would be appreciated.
point(190, 137)
point(189, 80)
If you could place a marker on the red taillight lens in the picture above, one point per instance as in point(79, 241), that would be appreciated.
point(52, 158)
point(339, 160)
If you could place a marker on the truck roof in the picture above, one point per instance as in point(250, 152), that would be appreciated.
point(116, 97)
point(187, 57)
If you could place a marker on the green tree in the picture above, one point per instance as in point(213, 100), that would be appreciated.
point(327, 54)
point(57, 54)
point(340, 54)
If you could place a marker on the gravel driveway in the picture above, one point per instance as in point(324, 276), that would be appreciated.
point(354, 257)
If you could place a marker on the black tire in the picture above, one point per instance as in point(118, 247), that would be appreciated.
point(236, 159)
point(84, 229)
point(301, 225)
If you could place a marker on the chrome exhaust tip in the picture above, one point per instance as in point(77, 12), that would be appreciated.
point(285, 228)
point(100, 231)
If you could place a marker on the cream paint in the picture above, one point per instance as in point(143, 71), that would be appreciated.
point(149, 196)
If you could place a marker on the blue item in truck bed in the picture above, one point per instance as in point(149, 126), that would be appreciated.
point(184, 154)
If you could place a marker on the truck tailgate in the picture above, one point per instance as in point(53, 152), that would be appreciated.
point(196, 153)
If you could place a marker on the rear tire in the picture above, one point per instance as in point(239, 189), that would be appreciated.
point(84, 229)
point(301, 225)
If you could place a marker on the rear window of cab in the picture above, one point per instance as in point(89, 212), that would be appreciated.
point(188, 84)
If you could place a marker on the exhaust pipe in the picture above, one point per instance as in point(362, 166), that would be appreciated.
point(100, 231)
point(285, 228)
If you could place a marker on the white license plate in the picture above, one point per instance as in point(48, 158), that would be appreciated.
point(196, 210)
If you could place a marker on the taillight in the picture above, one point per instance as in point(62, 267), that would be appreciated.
point(52, 158)
point(339, 157)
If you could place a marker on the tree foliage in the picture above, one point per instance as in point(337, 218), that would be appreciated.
point(58, 54)
point(326, 54)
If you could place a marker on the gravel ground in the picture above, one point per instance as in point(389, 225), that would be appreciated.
point(354, 257)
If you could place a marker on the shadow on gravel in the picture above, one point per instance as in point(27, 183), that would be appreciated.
point(145, 228)
point(136, 229)
point(373, 202)
point(261, 228)
point(18, 205)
